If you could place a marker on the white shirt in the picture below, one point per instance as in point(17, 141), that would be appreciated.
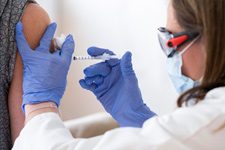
point(199, 127)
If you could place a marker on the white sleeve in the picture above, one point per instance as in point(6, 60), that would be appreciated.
point(199, 127)
point(47, 132)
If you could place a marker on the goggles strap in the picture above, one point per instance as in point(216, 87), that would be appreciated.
point(189, 45)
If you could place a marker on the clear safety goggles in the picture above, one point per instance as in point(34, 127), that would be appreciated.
point(170, 42)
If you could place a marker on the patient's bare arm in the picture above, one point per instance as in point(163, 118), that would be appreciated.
point(35, 21)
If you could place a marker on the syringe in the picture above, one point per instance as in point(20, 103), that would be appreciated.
point(103, 57)
point(60, 40)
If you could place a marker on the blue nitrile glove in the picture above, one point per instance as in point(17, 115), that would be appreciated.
point(44, 74)
point(115, 85)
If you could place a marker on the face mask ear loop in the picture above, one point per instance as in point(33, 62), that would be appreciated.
point(189, 45)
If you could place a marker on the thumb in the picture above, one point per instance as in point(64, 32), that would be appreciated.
point(21, 42)
point(46, 40)
point(126, 65)
point(68, 46)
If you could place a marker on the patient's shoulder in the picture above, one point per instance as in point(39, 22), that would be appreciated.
point(35, 21)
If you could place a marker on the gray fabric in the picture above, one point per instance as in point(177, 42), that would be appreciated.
point(10, 13)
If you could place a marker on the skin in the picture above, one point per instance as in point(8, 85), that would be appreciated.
point(30, 113)
point(194, 58)
point(35, 21)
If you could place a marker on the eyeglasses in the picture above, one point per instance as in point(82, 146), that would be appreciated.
point(170, 42)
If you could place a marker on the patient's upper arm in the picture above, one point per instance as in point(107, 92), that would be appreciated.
point(35, 21)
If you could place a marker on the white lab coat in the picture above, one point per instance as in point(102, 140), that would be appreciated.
point(199, 127)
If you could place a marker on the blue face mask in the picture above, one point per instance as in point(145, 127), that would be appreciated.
point(174, 64)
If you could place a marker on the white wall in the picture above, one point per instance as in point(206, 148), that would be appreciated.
point(119, 25)
point(53, 9)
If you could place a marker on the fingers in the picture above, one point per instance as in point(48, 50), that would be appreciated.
point(68, 46)
point(83, 84)
point(97, 69)
point(95, 51)
point(46, 40)
point(126, 64)
point(96, 79)
point(21, 42)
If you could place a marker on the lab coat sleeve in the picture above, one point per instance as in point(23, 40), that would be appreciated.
point(183, 129)
point(47, 132)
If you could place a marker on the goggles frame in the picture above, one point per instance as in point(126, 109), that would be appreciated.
point(170, 42)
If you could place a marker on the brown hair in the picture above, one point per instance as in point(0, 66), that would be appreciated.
point(208, 18)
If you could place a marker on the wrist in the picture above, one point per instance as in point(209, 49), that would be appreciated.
point(145, 112)
point(40, 97)
point(32, 110)
point(134, 117)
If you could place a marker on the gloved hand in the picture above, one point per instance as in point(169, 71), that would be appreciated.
point(44, 74)
point(115, 85)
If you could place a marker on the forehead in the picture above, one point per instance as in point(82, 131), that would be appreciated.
point(172, 24)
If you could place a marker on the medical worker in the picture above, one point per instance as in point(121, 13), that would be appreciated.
point(193, 42)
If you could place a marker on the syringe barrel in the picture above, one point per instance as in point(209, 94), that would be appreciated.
point(85, 58)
